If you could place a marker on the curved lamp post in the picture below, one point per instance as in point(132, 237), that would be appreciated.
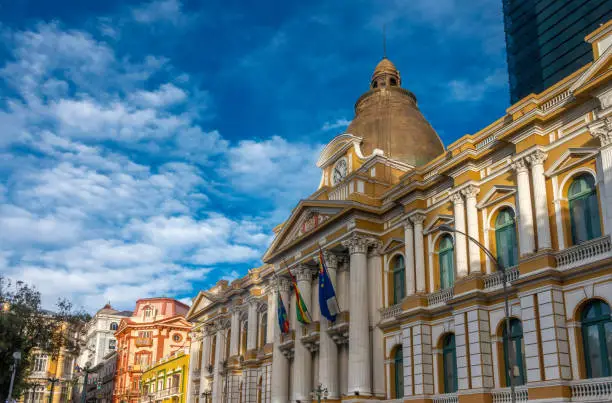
point(498, 267)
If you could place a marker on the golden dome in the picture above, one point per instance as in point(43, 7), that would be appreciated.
point(388, 118)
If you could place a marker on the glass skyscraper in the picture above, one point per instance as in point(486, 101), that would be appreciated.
point(545, 40)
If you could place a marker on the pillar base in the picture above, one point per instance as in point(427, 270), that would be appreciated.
point(414, 301)
point(476, 398)
point(538, 261)
point(471, 282)
point(549, 392)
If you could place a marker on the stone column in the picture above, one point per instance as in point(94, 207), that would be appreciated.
point(541, 202)
point(479, 341)
point(253, 303)
point(470, 193)
point(525, 219)
point(422, 359)
point(302, 362)
point(460, 242)
point(419, 251)
point(359, 371)
point(280, 364)
point(553, 335)
point(217, 386)
point(375, 286)
point(328, 350)
point(272, 308)
point(194, 351)
point(235, 331)
point(207, 335)
point(602, 129)
point(409, 250)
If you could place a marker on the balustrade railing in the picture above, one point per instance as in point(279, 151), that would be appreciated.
point(504, 396)
point(585, 252)
point(485, 142)
point(592, 390)
point(497, 279)
point(440, 297)
point(556, 100)
point(341, 192)
point(391, 311)
point(445, 398)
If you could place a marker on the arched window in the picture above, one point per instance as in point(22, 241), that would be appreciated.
point(505, 238)
point(243, 341)
point(449, 363)
point(583, 209)
point(114, 326)
point(446, 261)
point(398, 363)
point(399, 279)
point(518, 348)
point(264, 329)
point(597, 339)
point(393, 82)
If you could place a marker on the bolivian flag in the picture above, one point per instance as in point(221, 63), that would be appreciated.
point(303, 316)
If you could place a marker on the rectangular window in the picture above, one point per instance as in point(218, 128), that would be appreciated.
point(67, 367)
point(145, 334)
point(40, 363)
point(112, 344)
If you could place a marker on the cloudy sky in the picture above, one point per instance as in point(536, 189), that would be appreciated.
point(148, 148)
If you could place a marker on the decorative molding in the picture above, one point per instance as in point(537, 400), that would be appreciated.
point(417, 218)
point(456, 197)
point(489, 199)
point(520, 165)
point(358, 244)
point(602, 129)
point(564, 163)
point(537, 157)
point(470, 191)
point(304, 272)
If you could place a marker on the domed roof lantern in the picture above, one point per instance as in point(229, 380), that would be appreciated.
point(385, 75)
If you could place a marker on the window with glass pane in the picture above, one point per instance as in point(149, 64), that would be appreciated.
point(583, 209)
point(398, 360)
point(505, 238)
point(518, 348)
point(449, 364)
point(40, 363)
point(264, 329)
point(597, 339)
point(446, 262)
point(399, 279)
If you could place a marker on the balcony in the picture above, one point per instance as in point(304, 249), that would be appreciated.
point(445, 398)
point(496, 279)
point(592, 390)
point(310, 336)
point(287, 343)
point(584, 253)
point(440, 297)
point(390, 311)
point(144, 342)
point(503, 395)
point(340, 328)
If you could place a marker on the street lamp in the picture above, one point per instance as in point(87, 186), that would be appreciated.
point(498, 267)
point(16, 358)
point(53, 381)
point(320, 391)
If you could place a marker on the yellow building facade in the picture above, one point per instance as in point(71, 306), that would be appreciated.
point(166, 380)
point(403, 224)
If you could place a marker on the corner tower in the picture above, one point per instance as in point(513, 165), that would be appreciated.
point(387, 117)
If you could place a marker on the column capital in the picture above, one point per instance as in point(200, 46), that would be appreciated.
point(456, 197)
point(537, 157)
point(408, 223)
point(303, 272)
point(376, 248)
point(280, 283)
point(470, 191)
point(602, 129)
point(358, 244)
point(520, 165)
point(234, 309)
point(331, 259)
point(252, 300)
point(220, 325)
point(417, 218)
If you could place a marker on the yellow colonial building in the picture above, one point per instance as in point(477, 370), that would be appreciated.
point(404, 223)
point(166, 380)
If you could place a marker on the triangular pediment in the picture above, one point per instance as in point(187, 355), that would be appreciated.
point(571, 158)
point(392, 244)
point(496, 194)
point(438, 220)
point(306, 219)
point(200, 302)
point(600, 67)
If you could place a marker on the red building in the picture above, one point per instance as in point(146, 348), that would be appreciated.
point(156, 329)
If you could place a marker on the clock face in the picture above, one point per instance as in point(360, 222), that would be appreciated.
point(340, 171)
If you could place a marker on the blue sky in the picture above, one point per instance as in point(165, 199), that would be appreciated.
point(148, 148)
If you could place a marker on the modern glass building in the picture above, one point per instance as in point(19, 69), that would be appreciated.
point(545, 40)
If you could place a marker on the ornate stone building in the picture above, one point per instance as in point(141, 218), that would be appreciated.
point(156, 329)
point(396, 215)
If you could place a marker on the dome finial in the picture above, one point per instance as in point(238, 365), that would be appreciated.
point(384, 41)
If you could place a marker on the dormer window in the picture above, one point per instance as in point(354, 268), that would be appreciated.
point(148, 312)
point(393, 82)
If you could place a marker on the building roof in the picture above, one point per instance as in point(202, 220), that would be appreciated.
point(388, 118)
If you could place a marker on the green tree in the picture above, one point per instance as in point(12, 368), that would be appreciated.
point(26, 327)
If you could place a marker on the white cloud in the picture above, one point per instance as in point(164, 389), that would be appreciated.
point(160, 11)
point(473, 90)
point(339, 123)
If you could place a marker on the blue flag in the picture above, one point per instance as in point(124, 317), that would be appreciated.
point(281, 312)
point(327, 294)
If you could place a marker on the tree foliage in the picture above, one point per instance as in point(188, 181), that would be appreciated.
point(26, 327)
